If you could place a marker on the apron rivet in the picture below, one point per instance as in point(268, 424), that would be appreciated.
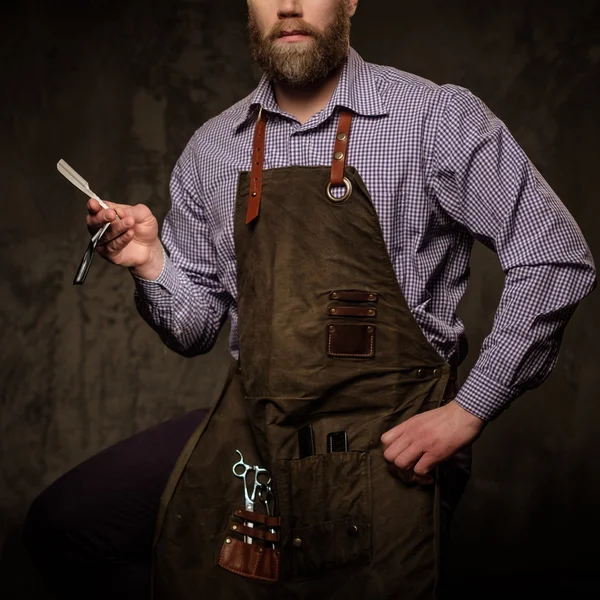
point(228, 540)
point(259, 550)
point(253, 194)
point(371, 312)
point(437, 372)
point(332, 311)
point(234, 527)
point(331, 328)
point(334, 295)
point(369, 328)
point(179, 516)
point(341, 136)
point(338, 155)
point(297, 542)
point(353, 530)
point(421, 373)
point(371, 296)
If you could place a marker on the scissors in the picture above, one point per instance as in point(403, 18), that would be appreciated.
point(241, 469)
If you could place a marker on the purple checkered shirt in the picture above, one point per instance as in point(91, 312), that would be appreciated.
point(442, 171)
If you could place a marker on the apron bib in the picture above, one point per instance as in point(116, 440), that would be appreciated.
point(330, 358)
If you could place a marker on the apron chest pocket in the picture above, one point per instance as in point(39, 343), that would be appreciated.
point(325, 505)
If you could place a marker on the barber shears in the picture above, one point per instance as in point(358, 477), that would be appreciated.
point(255, 478)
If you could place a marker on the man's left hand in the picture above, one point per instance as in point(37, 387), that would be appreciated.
point(416, 446)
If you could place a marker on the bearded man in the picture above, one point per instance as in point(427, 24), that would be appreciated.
point(330, 215)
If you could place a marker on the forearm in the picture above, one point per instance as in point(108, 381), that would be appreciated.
point(186, 316)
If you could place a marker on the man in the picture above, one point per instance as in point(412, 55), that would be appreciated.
point(331, 215)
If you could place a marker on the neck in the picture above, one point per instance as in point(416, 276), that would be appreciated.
point(303, 103)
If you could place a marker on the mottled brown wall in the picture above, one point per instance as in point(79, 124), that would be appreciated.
point(117, 89)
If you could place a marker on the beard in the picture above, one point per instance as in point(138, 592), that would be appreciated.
point(301, 64)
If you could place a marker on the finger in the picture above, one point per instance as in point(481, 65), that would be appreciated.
point(116, 245)
point(116, 229)
point(98, 220)
point(389, 436)
point(425, 465)
point(396, 448)
point(93, 206)
point(409, 457)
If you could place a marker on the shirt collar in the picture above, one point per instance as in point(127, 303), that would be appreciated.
point(356, 90)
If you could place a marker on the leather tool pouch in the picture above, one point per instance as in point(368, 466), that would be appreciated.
point(325, 503)
point(258, 560)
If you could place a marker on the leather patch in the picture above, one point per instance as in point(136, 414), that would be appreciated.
point(351, 311)
point(257, 517)
point(250, 560)
point(254, 532)
point(351, 340)
point(351, 296)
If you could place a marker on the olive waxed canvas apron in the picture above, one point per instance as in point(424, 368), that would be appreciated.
point(327, 344)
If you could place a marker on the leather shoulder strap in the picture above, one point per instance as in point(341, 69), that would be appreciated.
point(256, 171)
point(340, 148)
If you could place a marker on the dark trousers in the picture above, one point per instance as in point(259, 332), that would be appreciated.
point(90, 532)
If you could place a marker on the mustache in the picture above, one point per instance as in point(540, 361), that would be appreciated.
point(296, 25)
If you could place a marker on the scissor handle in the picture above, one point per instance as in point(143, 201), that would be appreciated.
point(242, 464)
point(258, 471)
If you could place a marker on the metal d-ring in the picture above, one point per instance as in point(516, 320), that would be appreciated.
point(346, 195)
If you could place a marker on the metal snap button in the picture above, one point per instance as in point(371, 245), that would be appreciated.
point(353, 530)
point(341, 136)
point(338, 155)
point(297, 542)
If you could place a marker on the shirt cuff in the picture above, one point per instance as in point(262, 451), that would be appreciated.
point(484, 397)
point(166, 284)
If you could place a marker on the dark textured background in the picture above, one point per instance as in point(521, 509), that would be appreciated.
point(117, 89)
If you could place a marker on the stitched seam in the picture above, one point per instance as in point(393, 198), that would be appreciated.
point(370, 353)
